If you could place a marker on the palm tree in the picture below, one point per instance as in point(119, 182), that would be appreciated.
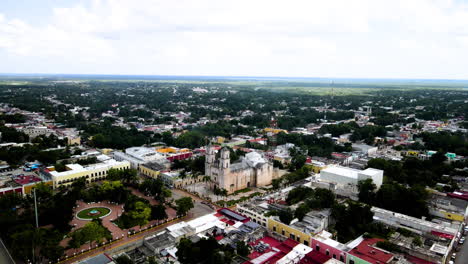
point(182, 175)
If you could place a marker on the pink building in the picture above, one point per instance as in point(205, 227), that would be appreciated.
point(323, 243)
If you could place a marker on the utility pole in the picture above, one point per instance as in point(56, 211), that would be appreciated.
point(35, 209)
point(37, 226)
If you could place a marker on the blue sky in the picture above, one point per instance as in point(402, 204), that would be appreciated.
point(297, 38)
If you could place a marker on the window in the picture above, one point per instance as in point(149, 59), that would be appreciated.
point(317, 247)
point(327, 253)
point(334, 256)
point(306, 242)
point(342, 258)
point(274, 228)
point(351, 261)
point(282, 232)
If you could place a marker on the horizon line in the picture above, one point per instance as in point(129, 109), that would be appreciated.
point(228, 76)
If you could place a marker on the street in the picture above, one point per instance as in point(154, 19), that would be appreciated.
point(462, 254)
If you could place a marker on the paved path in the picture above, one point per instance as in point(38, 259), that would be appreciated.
point(116, 244)
point(117, 233)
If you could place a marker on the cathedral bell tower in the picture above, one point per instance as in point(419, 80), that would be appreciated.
point(224, 161)
point(209, 159)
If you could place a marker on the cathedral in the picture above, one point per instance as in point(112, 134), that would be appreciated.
point(252, 171)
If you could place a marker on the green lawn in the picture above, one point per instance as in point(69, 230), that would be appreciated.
point(84, 213)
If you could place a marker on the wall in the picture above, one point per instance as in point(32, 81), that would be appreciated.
point(278, 227)
point(323, 248)
point(446, 215)
point(356, 260)
point(148, 171)
point(90, 175)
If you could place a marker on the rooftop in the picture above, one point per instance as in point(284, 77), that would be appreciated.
point(367, 251)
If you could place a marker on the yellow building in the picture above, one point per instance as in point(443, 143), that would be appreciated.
point(151, 170)
point(74, 140)
point(91, 173)
point(27, 189)
point(316, 167)
point(287, 231)
point(106, 151)
point(274, 130)
point(412, 153)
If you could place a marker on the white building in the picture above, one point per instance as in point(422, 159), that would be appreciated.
point(139, 155)
point(343, 176)
point(34, 131)
point(91, 173)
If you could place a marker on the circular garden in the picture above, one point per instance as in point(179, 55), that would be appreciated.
point(93, 213)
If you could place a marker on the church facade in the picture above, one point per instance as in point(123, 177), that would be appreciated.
point(252, 171)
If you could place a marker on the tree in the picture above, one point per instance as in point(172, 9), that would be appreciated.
point(184, 205)
point(92, 232)
point(158, 212)
point(123, 259)
point(242, 248)
point(140, 213)
point(301, 211)
point(366, 191)
point(286, 216)
point(351, 220)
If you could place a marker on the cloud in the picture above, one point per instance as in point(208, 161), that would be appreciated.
point(362, 38)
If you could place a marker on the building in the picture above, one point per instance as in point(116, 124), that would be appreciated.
point(365, 251)
point(34, 131)
point(324, 244)
point(91, 173)
point(256, 212)
point(172, 153)
point(153, 169)
point(343, 176)
point(448, 207)
point(301, 235)
point(139, 155)
point(365, 149)
point(416, 225)
point(252, 171)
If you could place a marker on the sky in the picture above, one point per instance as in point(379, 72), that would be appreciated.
point(295, 38)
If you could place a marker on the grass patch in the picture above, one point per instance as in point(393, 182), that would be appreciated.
point(241, 191)
point(85, 214)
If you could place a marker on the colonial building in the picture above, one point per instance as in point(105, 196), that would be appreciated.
point(252, 171)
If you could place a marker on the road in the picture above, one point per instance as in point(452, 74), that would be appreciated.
point(5, 257)
point(462, 254)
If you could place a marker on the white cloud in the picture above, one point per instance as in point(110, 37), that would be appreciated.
point(363, 38)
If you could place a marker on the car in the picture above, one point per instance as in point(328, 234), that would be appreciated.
point(461, 242)
point(454, 255)
point(451, 262)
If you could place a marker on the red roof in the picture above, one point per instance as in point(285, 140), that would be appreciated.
point(314, 257)
point(366, 251)
point(257, 139)
point(459, 194)
point(22, 180)
point(283, 247)
point(416, 260)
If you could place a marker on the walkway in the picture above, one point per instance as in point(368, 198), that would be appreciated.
point(117, 233)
